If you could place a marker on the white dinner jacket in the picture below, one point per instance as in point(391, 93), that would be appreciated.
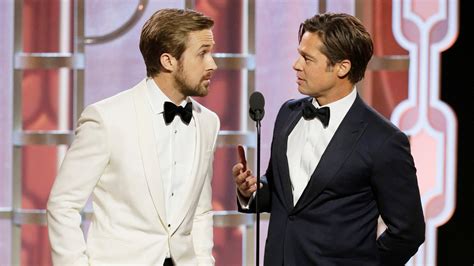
point(114, 158)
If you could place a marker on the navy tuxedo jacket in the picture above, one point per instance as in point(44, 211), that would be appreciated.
point(366, 171)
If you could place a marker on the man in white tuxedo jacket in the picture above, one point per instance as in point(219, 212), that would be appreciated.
point(145, 156)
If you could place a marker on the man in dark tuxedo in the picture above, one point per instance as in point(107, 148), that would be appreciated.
point(336, 165)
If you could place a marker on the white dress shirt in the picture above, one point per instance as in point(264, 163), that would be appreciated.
point(176, 147)
point(314, 138)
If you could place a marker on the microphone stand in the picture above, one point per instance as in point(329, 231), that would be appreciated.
point(257, 210)
point(256, 112)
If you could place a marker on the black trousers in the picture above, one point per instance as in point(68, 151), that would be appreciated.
point(168, 262)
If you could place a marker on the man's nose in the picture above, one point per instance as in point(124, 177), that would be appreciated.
point(212, 64)
point(296, 65)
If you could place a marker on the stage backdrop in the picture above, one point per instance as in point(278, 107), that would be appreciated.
point(414, 31)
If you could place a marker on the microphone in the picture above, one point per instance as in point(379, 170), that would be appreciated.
point(257, 104)
point(256, 112)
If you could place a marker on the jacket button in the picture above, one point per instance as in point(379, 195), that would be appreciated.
point(291, 217)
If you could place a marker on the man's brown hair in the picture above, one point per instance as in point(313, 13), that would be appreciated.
point(343, 37)
point(167, 31)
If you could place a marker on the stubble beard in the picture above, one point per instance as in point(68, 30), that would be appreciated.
point(187, 89)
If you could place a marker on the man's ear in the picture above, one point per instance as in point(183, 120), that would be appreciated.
point(168, 62)
point(343, 68)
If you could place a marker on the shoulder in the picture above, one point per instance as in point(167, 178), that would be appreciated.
point(124, 97)
point(380, 122)
point(380, 129)
point(119, 104)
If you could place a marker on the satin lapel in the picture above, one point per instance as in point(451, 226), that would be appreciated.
point(282, 160)
point(195, 178)
point(148, 150)
point(337, 152)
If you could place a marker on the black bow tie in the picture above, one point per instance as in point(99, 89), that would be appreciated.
point(171, 110)
point(310, 112)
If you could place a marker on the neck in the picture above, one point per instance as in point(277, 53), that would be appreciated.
point(167, 85)
point(334, 94)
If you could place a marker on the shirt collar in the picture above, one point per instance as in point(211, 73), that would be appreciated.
point(158, 98)
point(339, 108)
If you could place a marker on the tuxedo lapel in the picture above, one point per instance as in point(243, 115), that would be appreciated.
point(281, 147)
point(337, 152)
point(148, 148)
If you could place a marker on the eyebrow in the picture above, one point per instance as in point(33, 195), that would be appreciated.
point(304, 54)
point(205, 46)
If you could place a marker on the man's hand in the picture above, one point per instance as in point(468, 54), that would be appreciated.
point(244, 180)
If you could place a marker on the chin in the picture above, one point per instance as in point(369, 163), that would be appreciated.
point(302, 91)
point(201, 93)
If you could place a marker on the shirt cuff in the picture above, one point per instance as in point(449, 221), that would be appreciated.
point(245, 203)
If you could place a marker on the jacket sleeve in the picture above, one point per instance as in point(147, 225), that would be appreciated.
point(398, 199)
point(264, 197)
point(81, 169)
point(203, 220)
point(265, 193)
